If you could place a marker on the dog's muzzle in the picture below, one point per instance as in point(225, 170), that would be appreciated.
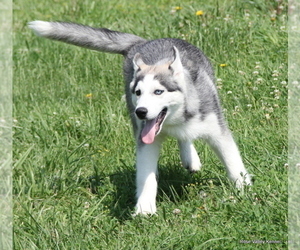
point(152, 127)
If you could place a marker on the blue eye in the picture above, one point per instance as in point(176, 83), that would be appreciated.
point(158, 92)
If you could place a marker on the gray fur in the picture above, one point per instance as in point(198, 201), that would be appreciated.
point(170, 90)
point(92, 38)
point(193, 59)
point(153, 52)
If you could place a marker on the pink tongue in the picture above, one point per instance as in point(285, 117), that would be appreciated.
point(148, 132)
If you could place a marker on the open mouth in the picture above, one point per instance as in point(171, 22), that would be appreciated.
point(153, 127)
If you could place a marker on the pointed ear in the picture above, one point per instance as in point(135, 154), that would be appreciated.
point(138, 62)
point(176, 65)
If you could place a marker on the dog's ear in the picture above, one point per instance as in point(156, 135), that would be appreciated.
point(138, 62)
point(176, 65)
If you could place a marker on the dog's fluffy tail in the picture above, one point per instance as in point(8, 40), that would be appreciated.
point(92, 38)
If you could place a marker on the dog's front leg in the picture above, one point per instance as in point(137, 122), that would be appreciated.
point(146, 170)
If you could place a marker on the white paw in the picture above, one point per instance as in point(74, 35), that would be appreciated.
point(243, 180)
point(189, 157)
point(145, 208)
point(193, 165)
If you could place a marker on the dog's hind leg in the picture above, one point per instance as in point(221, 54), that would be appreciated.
point(189, 156)
point(227, 150)
point(146, 170)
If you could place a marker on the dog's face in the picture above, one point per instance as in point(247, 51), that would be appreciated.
point(157, 94)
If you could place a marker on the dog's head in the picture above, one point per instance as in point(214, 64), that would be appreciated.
point(157, 94)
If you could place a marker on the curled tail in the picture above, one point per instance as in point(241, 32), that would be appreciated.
point(92, 38)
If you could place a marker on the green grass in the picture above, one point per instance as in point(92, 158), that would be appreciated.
point(74, 154)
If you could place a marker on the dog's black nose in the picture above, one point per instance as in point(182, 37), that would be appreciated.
point(141, 112)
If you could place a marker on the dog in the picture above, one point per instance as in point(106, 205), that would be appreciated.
point(170, 91)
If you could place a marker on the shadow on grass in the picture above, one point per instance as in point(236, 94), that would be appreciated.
point(172, 182)
point(124, 194)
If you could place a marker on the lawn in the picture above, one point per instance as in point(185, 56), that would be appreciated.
point(74, 153)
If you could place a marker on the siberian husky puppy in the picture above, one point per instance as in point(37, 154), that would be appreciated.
point(170, 91)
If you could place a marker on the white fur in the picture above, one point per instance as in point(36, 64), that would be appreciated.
point(40, 28)
point(155, 103)
point(146, 182)
point(192, 107)
point(208, 129)
point(189, 156)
